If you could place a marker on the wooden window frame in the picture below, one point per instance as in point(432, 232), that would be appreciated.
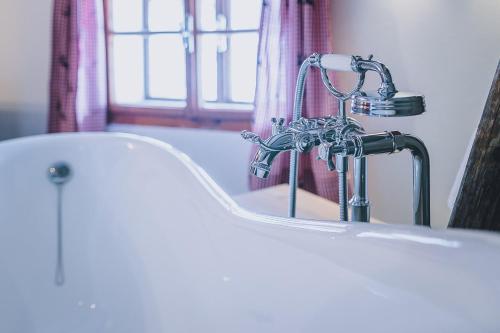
point(222, 116)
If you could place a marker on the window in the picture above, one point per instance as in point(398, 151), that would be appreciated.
point(182, 62)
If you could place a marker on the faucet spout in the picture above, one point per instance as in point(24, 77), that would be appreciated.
point(268, 150)
point(261, 164)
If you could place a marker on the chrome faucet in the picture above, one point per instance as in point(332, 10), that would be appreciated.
point(340, 137)
point(301, 136)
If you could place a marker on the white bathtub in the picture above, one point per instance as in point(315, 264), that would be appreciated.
point(151, 244)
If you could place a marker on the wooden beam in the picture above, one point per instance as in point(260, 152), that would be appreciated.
point(478, 201)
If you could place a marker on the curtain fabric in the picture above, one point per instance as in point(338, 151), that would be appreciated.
point(291, 31)
point(78, 73)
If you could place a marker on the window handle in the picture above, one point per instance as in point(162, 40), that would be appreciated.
point(221, 22)
point(223, 39)
point(187, 33)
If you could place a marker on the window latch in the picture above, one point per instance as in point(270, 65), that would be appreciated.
point(223, 38)
point(187, 33)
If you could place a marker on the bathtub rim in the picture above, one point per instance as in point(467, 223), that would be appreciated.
point(230, 205)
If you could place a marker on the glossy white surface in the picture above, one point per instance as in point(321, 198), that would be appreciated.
point(153, 245)
point(273, 200)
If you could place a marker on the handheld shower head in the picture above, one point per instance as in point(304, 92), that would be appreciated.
point(401, 104)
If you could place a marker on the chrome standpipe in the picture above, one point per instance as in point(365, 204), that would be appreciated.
point(292, 181)
point(392, 142)
point(342, 167)
point(421, 180)
point(360, 205)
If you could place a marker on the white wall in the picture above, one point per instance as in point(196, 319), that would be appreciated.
point(446, 49)
point(24, 66)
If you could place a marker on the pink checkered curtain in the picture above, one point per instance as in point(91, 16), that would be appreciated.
point(291, 30)
point(78, 72)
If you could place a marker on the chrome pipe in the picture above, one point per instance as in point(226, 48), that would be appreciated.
point(342, 167)
point(360, 205)
point(390, 142)
point(342, 164)
point(421, 178)
point(293, 180)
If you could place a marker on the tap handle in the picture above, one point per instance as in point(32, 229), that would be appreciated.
point(325, 153)
point(279, 121)
point(254, 138)
point(337, 62)
point(277, 125)
point(250, 136)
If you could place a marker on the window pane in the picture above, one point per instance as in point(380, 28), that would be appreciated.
point(167, 67)
point(243, 66)
point(127, 15)
point(127, 69)
point(206, 15)
point(166, 15)
point(244, 14)
point(207, 66)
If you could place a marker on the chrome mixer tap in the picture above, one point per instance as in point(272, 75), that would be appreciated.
point(340, 137)
point(301, 136)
